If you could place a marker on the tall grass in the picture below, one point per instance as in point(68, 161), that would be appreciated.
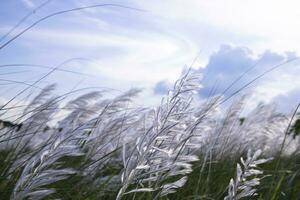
point(109, 148)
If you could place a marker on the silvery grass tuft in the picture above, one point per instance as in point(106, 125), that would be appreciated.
point(166, 143)
point(247, 177)
point(107, 148)
point(91, 128)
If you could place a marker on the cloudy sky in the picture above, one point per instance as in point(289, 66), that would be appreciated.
point(120, 48)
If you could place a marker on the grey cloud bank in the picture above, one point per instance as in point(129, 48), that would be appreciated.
point(231, 67)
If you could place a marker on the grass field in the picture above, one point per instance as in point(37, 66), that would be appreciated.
point(111, 149)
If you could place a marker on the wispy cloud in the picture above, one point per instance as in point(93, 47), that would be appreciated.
point(28, 3)
point(270, 20)
point(130, 48)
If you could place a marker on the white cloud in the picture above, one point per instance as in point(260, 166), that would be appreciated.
point(139, 49)
point(28, 3)
point(144, 57)
point(288, 101)
point(275, 22)
point(230, 62)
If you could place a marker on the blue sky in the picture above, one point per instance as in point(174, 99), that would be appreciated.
point(123, 48)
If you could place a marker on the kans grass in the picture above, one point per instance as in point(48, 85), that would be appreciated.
point(109, 148)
